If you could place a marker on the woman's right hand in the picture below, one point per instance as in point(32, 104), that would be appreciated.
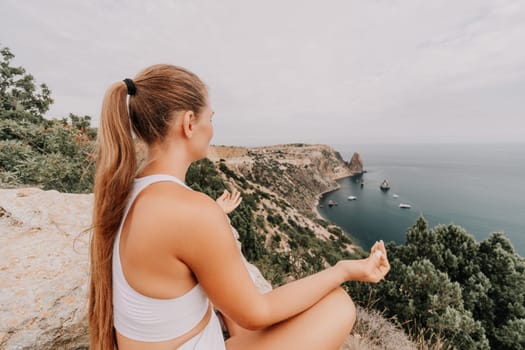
point(372, 269)
point(228, 202)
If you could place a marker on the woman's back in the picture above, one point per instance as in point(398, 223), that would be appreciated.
point(148, 246)
point(155, 296)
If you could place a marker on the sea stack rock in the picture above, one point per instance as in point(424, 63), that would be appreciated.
point(356, 164)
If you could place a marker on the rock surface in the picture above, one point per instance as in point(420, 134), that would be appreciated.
point(356, 164)
point(44, 264)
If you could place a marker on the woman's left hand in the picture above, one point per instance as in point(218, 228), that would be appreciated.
point(228, 202)
point(372, 269)
point(377, 265)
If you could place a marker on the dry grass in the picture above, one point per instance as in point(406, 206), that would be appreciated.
point(373, 332)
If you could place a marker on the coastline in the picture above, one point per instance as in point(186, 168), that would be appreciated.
point(316, 203)
point(318, 214)
point(353, 246)
point(337, 187)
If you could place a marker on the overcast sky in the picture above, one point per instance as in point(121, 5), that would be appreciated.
point(335, 72)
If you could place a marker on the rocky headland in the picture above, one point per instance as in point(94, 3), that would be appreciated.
point(297, 172)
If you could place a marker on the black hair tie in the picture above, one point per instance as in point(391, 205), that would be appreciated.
point(132, 89)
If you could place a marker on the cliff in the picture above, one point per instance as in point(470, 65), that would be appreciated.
point(297, 172)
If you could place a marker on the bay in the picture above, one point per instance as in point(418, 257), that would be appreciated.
point(480, 187)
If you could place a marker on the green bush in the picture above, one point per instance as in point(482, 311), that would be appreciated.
point(52, 154)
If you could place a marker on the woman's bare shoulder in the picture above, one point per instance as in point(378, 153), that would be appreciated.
point(165, 204)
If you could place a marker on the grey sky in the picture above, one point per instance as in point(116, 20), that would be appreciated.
point(333, 72)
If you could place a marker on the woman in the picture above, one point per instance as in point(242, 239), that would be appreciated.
point(161, 253)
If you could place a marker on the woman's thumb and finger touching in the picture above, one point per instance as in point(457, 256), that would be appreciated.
point(229, 201)
point(379, 259)
point(224, 195)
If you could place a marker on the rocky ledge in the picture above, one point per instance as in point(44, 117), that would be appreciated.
point(44, 264)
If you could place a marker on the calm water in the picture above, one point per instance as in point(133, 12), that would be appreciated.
point(479, 187)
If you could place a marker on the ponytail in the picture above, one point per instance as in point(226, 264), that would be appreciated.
point(115, 170)
point(158, 92)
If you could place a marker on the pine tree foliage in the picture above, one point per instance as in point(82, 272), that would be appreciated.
point(444, 283)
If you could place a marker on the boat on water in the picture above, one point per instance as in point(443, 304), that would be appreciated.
point(352, 198)
point(331, 203)
point(395, 195)
point(385, 185)
point(362, 184)
point(404, 206)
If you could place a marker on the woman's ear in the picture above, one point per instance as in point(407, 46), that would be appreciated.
point(188, 119)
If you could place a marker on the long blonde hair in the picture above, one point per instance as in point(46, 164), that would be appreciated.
point(161, 90)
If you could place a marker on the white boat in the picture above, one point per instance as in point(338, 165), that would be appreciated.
point(404, 206)
point(395, 195)
point(352, 198)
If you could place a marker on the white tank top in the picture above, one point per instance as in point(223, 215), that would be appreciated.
point(146, 319)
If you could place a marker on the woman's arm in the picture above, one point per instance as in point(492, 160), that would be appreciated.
point(212, 255)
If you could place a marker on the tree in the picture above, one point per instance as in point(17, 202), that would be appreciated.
point(504, 317)
point(425, 299)
point(20, 98)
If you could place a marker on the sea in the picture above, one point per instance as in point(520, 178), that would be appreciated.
point(480, 187)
